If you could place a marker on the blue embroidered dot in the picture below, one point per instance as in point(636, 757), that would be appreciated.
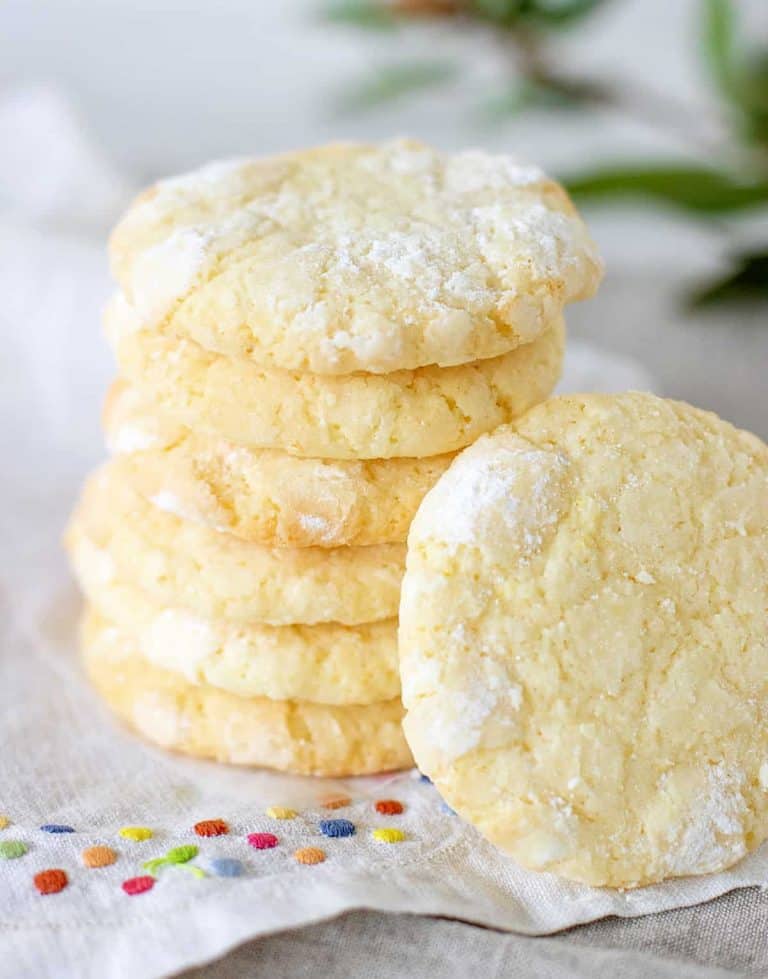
point(226, 867)
point(425, 779)
point(337, 827)
point(57, 828)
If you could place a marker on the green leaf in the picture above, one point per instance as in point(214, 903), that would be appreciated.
point(719, 35)
point(361, 13)
point(395, 81)
point(503, 12)
point(689, 187)
point(560, 13)
point(539, 94)
point(746, 282)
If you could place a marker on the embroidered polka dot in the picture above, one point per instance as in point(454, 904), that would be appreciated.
point(337, 827)
point(4, 822)
point(387, 835)
point(50, 881)
point(389, 807)
point(57, 828)
point(226, 867)
point(263, 841)
point(99, 856)
point(338, 802)
point(309, 855)
point(136, 833)
point(281, 812)
point(211, 827)
point(12, 849)
point(138, 885)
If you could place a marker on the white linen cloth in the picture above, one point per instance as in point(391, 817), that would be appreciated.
point(63, 760)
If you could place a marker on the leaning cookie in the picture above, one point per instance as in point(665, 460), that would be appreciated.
point(309, 739)
point(264, 495)
point(583, 639)
point(355, 257)
point(116, 534)
point(423, 412)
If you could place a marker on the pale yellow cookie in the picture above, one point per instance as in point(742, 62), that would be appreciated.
point(583, 643)
point(355, 257)
point(263, 494)
point(424, 412)
point(310, 739)
point(116, 533)
point(326, 663)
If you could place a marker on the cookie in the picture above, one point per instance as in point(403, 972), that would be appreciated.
point(355, 258)
point(262, 494)
point(309, 739)
point(116, 533)
point(583, 639)
point(424, 412)
point(326, 663)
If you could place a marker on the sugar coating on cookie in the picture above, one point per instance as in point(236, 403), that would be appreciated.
point(264, 495)
point(583, 639)
point(356, 257)
point(117, 535)
point(310, 739)
point(423, 412)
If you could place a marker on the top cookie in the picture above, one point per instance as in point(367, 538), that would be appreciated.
point(583, 639)
point(354, 257)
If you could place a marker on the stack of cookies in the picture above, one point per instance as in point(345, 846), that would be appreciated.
point(304, 342)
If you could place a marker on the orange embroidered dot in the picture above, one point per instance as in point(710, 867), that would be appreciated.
point(389, 835)
point(281, 812)
point(99, 856)
point(211, 827)
point(309, 855)
point(50, 881)
point(4, 822)
point(136, 833)
point(389, 807)
point(337, 802)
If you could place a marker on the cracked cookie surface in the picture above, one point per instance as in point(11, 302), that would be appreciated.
point(415, 413)
point(355, 257)
point(583, 639)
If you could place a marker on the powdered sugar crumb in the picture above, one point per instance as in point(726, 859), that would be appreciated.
point(504, 498)
point(713, 835)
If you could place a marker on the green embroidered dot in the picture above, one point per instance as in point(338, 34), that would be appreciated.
point(136, 833)
point(12, 849)
point(181, 854)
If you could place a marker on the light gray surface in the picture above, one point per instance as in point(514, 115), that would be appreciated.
point(727, 937)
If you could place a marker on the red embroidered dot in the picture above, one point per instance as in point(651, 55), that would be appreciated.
point(263, 841)
point(138, 885)
point(51, 881)
point(211, 827)
point(389, 807)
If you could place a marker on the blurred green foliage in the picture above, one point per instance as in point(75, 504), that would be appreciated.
point(733, 181)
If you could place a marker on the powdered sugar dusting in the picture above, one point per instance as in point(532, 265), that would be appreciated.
point(436, 234)
point(503, 498)
point(713, 835)
point(169, 502)
point(475, 170)
point(481, 714)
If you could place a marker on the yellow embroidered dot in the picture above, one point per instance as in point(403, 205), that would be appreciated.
point(389, 835)
point(281, 812)
point(136, 833)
